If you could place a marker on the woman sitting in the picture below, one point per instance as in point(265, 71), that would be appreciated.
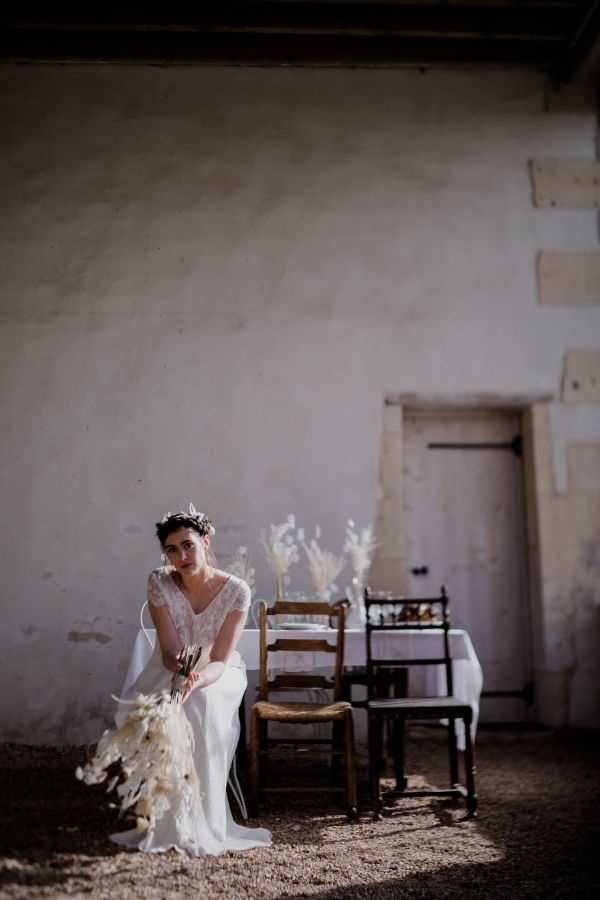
point(193, 602)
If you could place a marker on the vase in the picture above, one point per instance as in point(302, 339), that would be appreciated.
point(279, 588)
point(356, 615)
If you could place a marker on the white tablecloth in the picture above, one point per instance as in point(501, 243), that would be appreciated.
point(409, 644)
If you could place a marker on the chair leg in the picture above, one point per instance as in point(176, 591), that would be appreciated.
point(396, 686)
point(384, 689)
point(453, 753)
point(337, 746)
point(346, 689)
point(470, 772)
point(371, 754)
point(351, 791)
point(263, 761)
point(399, 730)
point(401, 685)
point(254, 768)
point(375, 755)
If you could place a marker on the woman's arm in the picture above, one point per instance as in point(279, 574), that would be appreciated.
point(170, 643)
point(222, 649)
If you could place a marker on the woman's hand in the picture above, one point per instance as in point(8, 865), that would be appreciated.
point(192, 682)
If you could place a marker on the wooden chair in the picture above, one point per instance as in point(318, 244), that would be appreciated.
point(400, 614)
point(263, 747)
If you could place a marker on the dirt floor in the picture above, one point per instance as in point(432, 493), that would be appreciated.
point(537, 834)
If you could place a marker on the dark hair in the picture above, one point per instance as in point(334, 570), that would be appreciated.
point(173, 522)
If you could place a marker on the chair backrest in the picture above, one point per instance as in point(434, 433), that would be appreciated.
point(393, 614)
point(298, 681)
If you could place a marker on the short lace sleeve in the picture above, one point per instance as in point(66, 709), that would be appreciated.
point(156, 593)
point(241, 597)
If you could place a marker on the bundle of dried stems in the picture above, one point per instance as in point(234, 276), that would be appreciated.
point(154, 747)
point(324, 566)
point(280, 550)
point(241, 568)
point(189, 659)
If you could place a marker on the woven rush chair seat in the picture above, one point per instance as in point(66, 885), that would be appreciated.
point(337, 749)
point(302, 712)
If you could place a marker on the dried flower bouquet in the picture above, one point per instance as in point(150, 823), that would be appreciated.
point(154, 746)
point(241, 568)
point(324, 566)
point(280, 550)
point(190, 659)
point(359, 545)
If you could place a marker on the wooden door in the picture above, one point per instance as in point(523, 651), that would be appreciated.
point(465, 527)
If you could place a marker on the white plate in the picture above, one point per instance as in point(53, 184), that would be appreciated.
point(301, 626)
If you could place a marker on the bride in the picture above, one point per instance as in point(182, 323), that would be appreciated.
point(193, 602)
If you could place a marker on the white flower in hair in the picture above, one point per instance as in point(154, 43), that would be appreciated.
point(192, 513)
point(202, 519)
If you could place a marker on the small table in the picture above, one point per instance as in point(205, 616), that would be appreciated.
point(407, 644)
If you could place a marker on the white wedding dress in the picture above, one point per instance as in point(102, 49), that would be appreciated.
point(208, 828)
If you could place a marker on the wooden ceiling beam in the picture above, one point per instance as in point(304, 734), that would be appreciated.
point(344, 18)
point(541, 33)
point(268, 49)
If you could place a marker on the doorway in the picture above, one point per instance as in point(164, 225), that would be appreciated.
point(464, 526)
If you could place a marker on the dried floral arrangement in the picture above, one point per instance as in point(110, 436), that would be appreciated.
point(324, 566)
point(359, 545)
point(154, 746)
point(281, 551)
point(241, 568)
point(281, 548)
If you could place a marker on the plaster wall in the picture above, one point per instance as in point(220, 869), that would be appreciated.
point(567, 554)
point(211, 278)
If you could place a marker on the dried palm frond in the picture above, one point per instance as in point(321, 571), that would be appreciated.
point(155, 748)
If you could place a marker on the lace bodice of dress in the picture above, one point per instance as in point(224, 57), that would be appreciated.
point(196, 628)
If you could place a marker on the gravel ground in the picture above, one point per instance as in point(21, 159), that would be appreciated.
point(535, 836)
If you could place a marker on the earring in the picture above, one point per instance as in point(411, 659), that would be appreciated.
point(163, 559)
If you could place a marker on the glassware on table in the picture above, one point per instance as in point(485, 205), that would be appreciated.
point(375, 610)
point(417, 612)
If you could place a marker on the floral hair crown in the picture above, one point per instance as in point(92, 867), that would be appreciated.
point(204, 524)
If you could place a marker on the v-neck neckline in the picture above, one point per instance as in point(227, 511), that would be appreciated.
point(210, 602)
